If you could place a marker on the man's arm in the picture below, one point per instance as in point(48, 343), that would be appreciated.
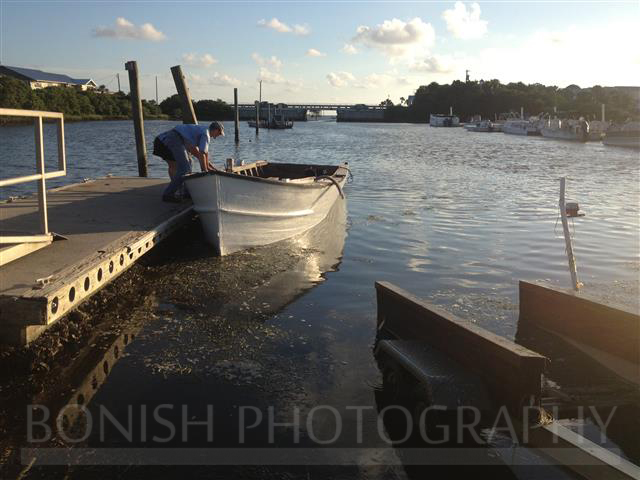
point(202, 157)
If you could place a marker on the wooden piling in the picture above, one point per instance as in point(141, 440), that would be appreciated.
point(136, 113)
point(236, 116)
point(257, 117)
point(188, 113)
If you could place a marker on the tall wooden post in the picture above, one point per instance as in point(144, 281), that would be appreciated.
point(136, 113)
point(188, 114)
point(236, 119)
point(257, 117)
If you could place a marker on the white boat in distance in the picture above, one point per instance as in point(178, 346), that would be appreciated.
point(440, 120)
point(486, 126)
point(517, 126)
point(263, 202)
point(573, 130)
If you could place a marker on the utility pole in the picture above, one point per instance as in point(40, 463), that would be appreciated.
point(118, 75)
point(156, 89)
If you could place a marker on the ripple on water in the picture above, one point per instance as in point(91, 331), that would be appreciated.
point(434, 210)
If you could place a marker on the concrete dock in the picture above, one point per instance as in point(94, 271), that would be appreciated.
point(107, 223)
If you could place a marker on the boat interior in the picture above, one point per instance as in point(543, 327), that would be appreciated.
point(285, 171)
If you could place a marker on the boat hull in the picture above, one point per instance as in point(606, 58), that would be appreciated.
point(524, 129)
point(564, 134)
point(436, 120)
point(627, 141)
point(239, 212)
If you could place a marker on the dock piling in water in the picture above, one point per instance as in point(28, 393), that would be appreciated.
point(188, 113)
point(236, 115)
point(138, 121)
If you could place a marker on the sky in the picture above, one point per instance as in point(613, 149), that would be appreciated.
point(324, 51)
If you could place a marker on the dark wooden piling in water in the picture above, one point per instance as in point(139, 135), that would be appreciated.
point(136, 113)
point(188, 113)
point(236, 116)
point(257, 117)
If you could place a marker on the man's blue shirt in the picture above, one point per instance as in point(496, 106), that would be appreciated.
point(195, 135)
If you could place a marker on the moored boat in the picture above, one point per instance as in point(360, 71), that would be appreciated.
point(263, 202)
point(625, 135)
point(440, 120)
point(573, 130)
point(517, 126)
point(486, 126)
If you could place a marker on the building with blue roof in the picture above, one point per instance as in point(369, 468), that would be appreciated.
point(39, 79)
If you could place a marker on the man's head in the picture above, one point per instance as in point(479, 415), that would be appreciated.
point(216, 129)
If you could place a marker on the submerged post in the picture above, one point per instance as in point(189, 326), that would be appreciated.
point(188, 114)
point(257, 117)
point(236, 116)
point(136, 113)
point(567, 238)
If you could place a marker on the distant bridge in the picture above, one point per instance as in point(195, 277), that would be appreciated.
point(319, 106)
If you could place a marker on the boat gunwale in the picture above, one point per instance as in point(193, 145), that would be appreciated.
point(272, 181)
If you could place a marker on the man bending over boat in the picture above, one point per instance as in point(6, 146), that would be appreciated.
point(174, 147)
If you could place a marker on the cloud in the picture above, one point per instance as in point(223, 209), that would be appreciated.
point(274, 78)
point(217, 79)
point(397, 39)
point(349, 49)
point(222, 80)
point(272, 61)
point(541, 57)
point(340, 79)
point(463, 23)
point(375, 80)
point(433, 64)
point(267, 76)
point(301, 29)
point(281, 27)
point(312, 52)
point(125, 29)
point(195, 60)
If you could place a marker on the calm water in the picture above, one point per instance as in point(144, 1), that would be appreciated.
point(452, 216)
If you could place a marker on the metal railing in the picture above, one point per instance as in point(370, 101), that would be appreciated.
point(41, 176)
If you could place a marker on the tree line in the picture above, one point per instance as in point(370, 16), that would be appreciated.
point(73, 102)
point(492, 98)
point(205, 109)
point(486, 98)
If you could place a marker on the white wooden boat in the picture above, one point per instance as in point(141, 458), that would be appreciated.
point(440, 120)
point(263, 202)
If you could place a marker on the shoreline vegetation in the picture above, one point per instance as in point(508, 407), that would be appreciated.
point(486, 98)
